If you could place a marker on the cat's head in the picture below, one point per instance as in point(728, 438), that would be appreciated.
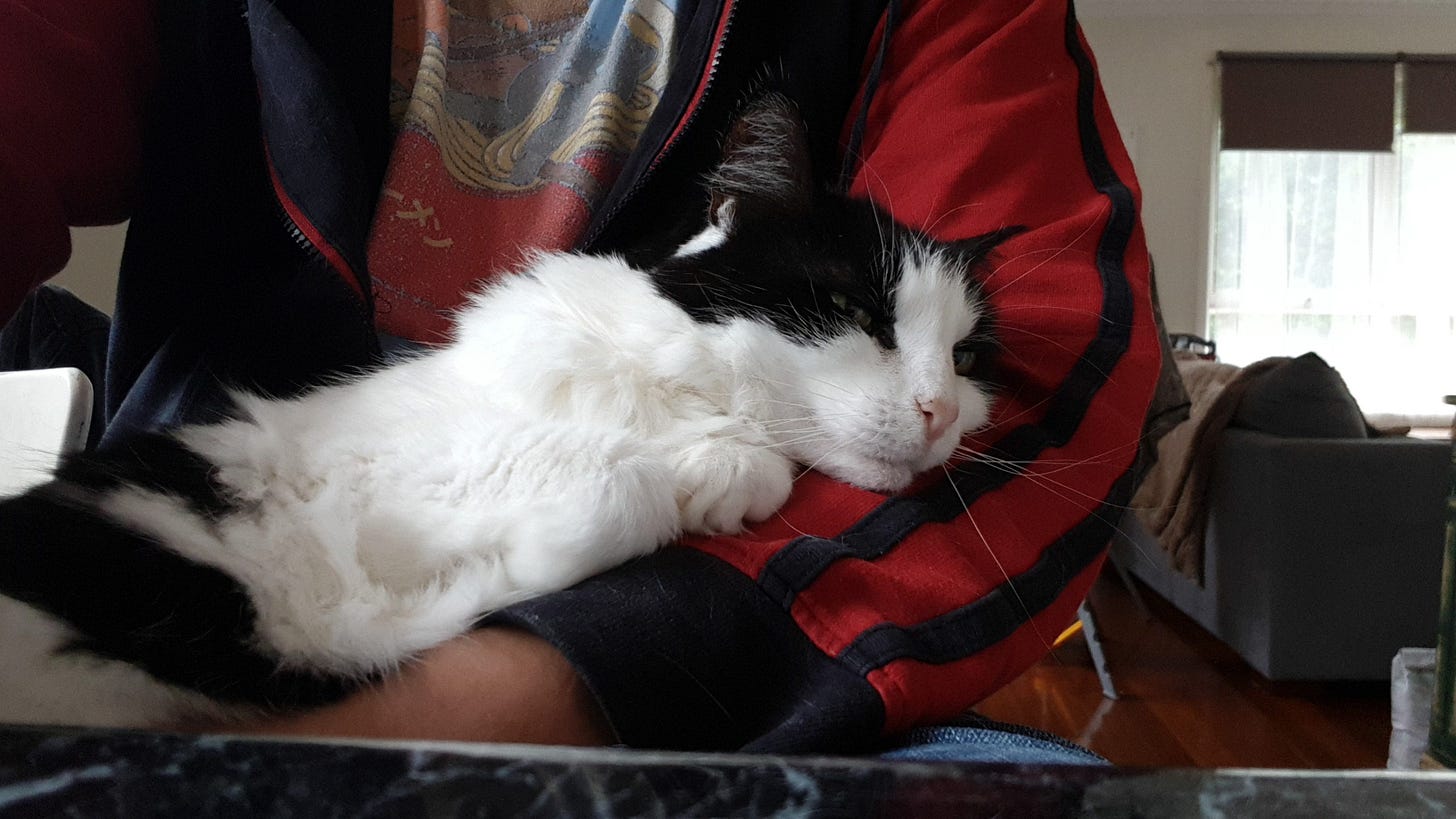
point(862, 342)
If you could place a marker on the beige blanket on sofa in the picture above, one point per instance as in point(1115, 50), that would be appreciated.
point(1172, 501)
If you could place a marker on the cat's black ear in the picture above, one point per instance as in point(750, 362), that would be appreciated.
point(976, 248)
point(766, 165)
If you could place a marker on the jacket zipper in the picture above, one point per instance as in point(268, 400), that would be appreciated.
point(331, 258)
point(296, 234)
point(319, 255)
point(676, 137)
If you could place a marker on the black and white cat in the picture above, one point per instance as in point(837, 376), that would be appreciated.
point(586, 413)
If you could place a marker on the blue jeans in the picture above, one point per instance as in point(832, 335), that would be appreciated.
point(982, 740)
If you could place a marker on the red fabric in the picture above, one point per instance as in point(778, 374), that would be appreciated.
point(997, 82)
point(73, 77)
point(418, 284)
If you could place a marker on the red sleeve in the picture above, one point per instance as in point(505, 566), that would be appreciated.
point(986, 115)
point(73, 75)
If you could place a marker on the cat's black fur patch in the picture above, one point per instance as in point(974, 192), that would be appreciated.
point(786, 268)
point(129, 599)
point(813, 263)
point(154, 461)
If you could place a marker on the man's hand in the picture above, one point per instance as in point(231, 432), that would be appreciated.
point(492, 685)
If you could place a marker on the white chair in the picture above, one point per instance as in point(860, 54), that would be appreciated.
point(44, 414)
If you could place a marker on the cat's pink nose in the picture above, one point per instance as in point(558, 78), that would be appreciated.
point(939, 414)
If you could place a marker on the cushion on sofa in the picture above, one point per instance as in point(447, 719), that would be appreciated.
point(1301, 398)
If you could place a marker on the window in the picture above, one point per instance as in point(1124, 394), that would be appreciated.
point(1348, 253)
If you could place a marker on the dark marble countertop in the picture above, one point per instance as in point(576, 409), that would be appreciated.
point(117, 773)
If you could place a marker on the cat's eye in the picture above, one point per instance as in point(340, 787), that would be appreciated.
point(860, 315)
point(964, 361)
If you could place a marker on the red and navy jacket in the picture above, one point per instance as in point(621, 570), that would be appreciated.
point(249, 161)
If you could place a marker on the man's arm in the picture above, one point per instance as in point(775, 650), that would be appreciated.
point(494, 685)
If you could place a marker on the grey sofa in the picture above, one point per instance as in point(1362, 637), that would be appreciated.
point(1322, 557)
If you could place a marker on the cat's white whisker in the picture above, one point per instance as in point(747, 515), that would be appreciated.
point(783, 519)
point(813, 437)
point(1010, 583)
point(1009, 420)
point(842, 390)
point(828, 453)
point(1054, 254)
point(1053, 342)
point(1076, 497)
point(930, 229)
point(1121, 450)
point(1011, 308)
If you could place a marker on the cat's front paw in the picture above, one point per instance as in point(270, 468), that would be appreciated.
point(721, 485)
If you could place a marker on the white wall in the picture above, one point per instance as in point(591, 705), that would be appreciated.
point(1157, 59)
point(95, 257)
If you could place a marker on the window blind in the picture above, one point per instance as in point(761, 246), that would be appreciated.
point(1293, 102)
point(1430, 95)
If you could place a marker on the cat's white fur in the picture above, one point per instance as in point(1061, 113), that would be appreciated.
point(578, 420)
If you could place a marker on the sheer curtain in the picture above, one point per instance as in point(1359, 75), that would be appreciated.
point(1349, 254)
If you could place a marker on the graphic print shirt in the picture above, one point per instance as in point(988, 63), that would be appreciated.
point(514, 118)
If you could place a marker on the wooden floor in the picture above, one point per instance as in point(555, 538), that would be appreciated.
point(1186, 700)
